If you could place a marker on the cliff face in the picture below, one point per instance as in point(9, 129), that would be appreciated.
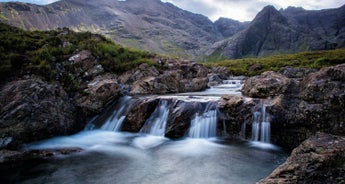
point(286, 31)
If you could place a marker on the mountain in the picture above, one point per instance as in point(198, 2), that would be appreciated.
point(287, 31)
point(144, 24)
point(164, 28)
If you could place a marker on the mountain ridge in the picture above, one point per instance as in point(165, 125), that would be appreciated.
point(166, 29)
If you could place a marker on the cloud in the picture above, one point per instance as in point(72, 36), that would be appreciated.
point(41, 2)
point(245, 10)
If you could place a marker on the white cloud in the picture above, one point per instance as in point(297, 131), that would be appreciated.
point(245, 10)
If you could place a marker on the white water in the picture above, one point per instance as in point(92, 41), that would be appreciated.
point(261, 129)
point(121, 158)
point(114, 122)
point(204, 125)
point(156, 124)
point(116, 157)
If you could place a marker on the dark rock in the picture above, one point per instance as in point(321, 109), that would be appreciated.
point(182, 76)
point(266, 85)
point(316, 103)
point(296, 72)
point(139, 113)
point(320, 159)
point(255, 67)
point(99, 92)
point(32, 109)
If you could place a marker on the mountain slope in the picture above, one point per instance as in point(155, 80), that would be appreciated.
point(144, 24)
point(273, 32)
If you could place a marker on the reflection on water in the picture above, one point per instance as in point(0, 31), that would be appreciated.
point(113, 157)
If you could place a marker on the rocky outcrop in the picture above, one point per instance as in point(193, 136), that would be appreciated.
point(320, 159)
point(32, 109)
point(99, 92)
point(266, 85)
point(179, 76)
point(302, 107)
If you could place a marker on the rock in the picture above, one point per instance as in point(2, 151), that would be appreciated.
point(182, 76)
point(296, 72)
point(265, 85)
point(32, 109)
point(317, 103)
point(137, 115)
point(85, 65)
point(255, 67)
point(320, 159)
point(99, 92)
point(20, 161)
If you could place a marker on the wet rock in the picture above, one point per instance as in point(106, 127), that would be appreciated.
point(32, 110)
point(320, 159)
point(20, 161)
point(137, 115)
point(99, 92)
point(317, 103)
point(265, 85)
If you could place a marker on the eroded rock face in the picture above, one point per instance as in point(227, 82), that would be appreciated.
point(302, 106)
point(98, 93)
point(178, 77)
point(32, 110)
point(320, 159)
point(265, 85)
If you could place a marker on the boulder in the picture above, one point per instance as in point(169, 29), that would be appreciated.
point(99, 92)
point(320, 159)
point(266, 85)
point(32, 109)
point(317, 103)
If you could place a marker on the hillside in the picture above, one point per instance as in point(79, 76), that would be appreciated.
point(157, 26)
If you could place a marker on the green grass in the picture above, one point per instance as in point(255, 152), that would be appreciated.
point(39, 52)
point(314, 59)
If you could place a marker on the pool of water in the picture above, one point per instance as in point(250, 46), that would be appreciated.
point(116, 157)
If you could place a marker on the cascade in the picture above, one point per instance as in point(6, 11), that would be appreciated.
point(156, 124)
point(204, 125)
point(113, 119)
point(261, 126)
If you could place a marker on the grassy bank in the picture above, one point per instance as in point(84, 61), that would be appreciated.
point(38, 52)
point(255, 66)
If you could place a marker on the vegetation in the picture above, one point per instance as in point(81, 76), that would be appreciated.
point(39, 52)
point(255, 66)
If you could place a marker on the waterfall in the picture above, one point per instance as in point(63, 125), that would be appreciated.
point(261, 127)
point(204, 125)
point(115, 120)
point(156, 124)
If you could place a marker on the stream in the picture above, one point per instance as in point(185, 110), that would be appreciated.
point(202, 156)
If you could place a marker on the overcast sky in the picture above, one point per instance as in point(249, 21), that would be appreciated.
point(242, 10)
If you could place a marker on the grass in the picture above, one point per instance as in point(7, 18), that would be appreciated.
point(313, 59)
point(39, 52)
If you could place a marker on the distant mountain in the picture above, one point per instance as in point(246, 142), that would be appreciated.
point(164, 28)
point(144, 24)
point(287, 31)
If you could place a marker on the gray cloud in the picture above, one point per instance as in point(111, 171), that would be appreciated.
point(242, 10)
point(245, 10)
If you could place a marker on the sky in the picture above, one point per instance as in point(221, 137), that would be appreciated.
point(242, 10)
